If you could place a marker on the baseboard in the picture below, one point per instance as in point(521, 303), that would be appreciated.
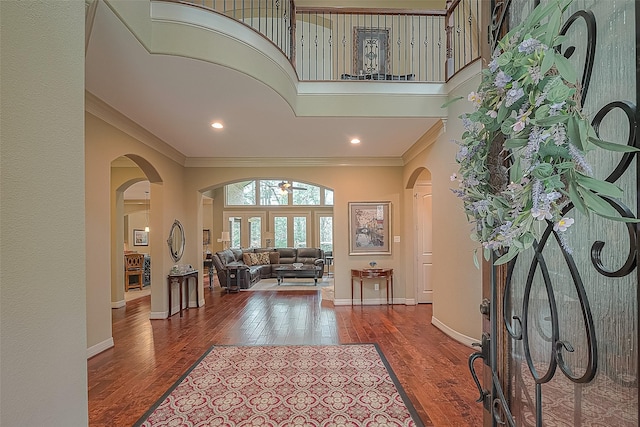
point(100, 347)
point(372, 301)
point(461, 338)
point(408, 301)
point(118, 304)
point(155, 315)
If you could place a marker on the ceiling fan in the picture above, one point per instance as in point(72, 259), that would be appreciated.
point(287, 187)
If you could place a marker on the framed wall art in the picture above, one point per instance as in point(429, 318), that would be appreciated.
point(369, 228)
point(140, 238)
point(370, 51)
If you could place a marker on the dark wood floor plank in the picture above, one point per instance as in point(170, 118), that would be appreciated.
point(150, 355)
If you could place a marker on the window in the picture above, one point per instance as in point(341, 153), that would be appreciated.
point(299, 232)
point(310, 196)
point(240, 193)
point(325, 225)
point(280, 231)
point(270, 194)
point(328, 197)
point(267, 192)
point(255, 232)
point(235, 230)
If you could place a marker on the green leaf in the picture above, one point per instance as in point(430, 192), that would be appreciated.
point(506, 126)
point(612, 146)
point(515, 171)
point(547, 61)
point(487, 254)
point(502, 114)
point(505, 59)
point(559, 40)
point(565, 69)
point(596, 203)
point(513, 252)
point(573, 132)
point(515, 142)
point(576, 199)
point(475, 259)
point(552, 27)
point(601, 187)
point(451, 101)
point(542, 171)
point(551, 120)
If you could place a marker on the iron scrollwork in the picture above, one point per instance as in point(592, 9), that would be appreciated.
point(516, 325)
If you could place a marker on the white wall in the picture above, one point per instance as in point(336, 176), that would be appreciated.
point(42, 226)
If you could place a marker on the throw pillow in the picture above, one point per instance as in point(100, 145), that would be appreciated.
point(263, 258)
point(254, 259)
point(274, 257)
point(246, 258)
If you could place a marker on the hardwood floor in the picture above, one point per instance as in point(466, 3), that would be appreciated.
point(150, 355)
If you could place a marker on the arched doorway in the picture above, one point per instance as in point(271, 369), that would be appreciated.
point(130, 216)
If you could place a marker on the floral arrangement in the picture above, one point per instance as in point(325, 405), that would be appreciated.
point(522, 154)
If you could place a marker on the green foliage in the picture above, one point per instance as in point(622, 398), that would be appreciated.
point(528, 99)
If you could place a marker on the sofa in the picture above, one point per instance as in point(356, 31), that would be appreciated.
point(260, 263)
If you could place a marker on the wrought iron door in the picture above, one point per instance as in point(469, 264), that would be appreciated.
point(560, 345)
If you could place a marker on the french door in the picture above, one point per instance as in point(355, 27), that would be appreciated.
point(560, 342)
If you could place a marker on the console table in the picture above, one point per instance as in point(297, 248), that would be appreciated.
point(373, 273)
point(182, 279)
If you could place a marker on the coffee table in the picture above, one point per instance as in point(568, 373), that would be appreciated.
point(302, 272)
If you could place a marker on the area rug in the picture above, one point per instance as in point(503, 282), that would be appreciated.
point(276, 386)
point(290, 284)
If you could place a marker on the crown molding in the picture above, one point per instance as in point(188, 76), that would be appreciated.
point(425, 141)
point(238, 162)
point(105, 112)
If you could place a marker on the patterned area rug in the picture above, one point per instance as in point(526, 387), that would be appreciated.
point(275, 386)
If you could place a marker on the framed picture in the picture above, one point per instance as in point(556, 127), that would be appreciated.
point(206, 237)
point(370, 51)
point(140, 238)
point(369, 228)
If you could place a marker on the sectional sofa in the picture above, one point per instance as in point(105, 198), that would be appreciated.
point(260, 263)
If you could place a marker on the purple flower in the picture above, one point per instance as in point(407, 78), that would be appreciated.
point(502, 79)
point(535, 74)
point(555, 108)
point(513, 95)
point(493, 65)
point(530, 45)
point(578, 158)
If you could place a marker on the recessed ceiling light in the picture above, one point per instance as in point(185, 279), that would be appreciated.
point(355, 141)
point(217, 125)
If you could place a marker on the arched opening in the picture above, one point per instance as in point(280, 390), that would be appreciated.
point(257, 215)
point(132, 181)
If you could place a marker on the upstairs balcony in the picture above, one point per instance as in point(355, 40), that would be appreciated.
point(362, 44)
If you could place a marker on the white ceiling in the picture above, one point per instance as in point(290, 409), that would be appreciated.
point(177, 98)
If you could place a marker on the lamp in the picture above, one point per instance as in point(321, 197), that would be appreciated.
point(146, 202)
point(268, 237)
point(225, 238)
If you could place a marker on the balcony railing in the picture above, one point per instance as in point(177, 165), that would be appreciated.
point(363, 44)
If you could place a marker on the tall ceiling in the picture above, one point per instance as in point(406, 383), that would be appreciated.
point(177, 98)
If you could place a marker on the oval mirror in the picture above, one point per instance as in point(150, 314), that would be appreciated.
point(176, 241)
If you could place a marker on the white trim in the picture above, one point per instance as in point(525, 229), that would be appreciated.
point(462, 339)
point(100, 347)
point(372, 301)
point(156, 315)
point(408, 301)
point(118, 304)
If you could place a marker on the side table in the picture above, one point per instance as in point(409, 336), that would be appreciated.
point(182, 279)
point(235, 272)
point(373, 273)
